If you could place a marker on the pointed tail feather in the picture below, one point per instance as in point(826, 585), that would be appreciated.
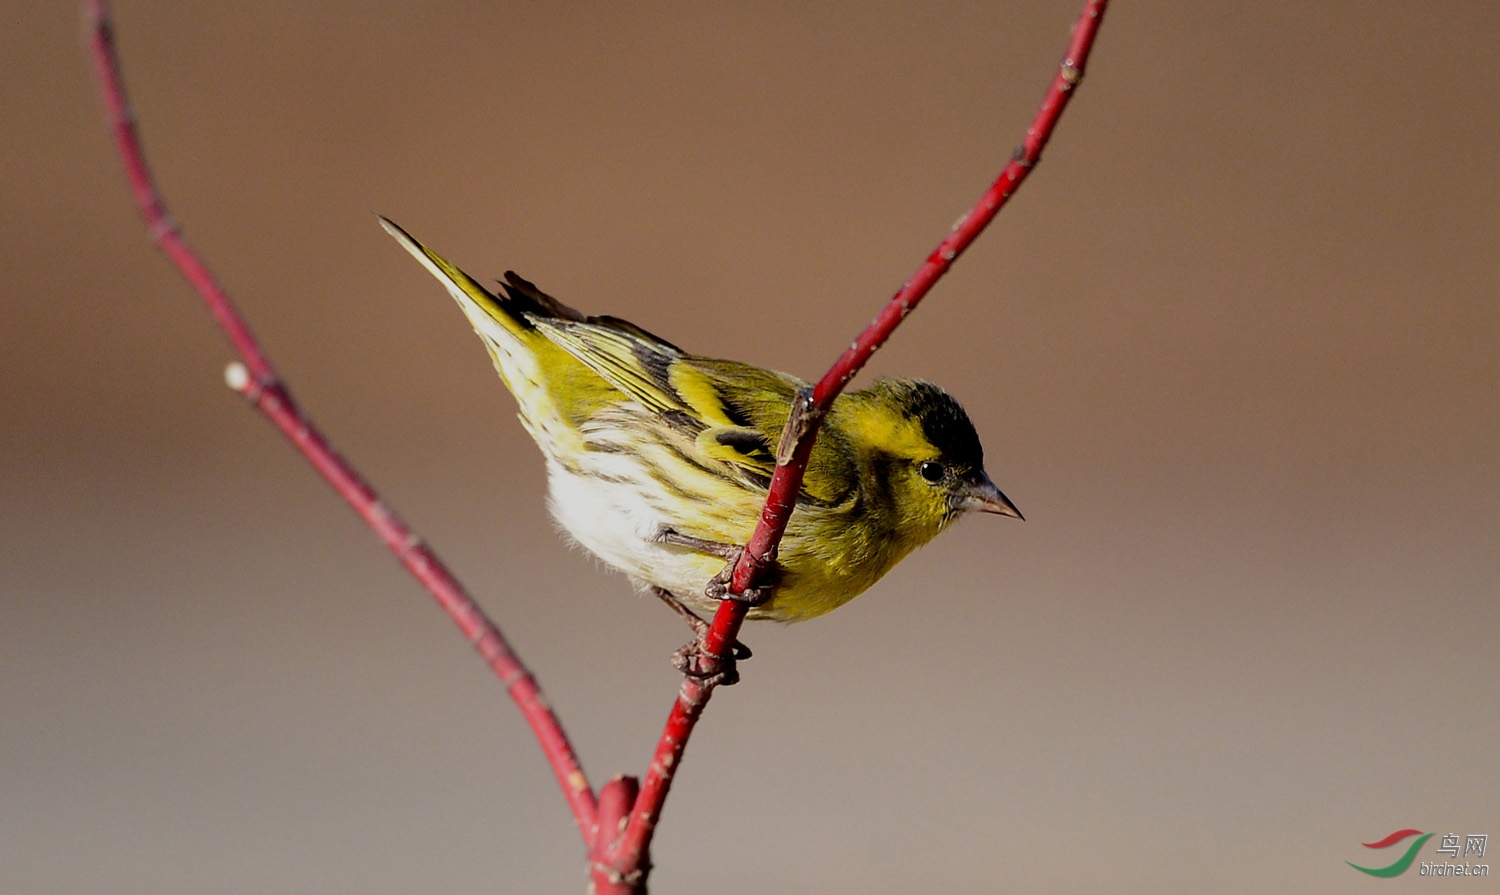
point(483, 308)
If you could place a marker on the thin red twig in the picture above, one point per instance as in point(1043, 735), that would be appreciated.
point(618, 827)
point(258, 382)
point(802, 428)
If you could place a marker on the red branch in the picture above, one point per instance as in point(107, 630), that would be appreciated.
point(258, 382)
point(630, 855)
point(617, 829)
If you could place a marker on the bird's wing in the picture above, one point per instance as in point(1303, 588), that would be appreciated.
point(693, 396)
point(635, 365)
point(746, 448)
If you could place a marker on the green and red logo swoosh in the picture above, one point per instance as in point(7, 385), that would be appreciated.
point(1403, 862)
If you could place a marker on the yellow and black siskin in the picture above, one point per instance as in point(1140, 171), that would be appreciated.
point(658, 460)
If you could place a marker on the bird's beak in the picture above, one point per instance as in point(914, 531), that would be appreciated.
point(982, 495)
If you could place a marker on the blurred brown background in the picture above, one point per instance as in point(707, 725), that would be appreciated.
point(1233, 350)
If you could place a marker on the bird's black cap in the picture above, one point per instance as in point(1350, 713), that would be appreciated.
point(943, 420)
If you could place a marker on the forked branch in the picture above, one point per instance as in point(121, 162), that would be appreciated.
point(617, 827)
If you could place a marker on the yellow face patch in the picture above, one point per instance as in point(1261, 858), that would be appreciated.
point(876, 426)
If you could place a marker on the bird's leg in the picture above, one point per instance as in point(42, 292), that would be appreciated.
point(718, 586)
point(699, 626)
point(688, 660)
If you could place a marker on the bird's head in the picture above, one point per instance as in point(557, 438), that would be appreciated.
point(924, 454)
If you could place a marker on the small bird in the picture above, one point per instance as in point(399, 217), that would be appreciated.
point(658, 461)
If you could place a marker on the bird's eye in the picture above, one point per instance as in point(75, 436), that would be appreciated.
point(932, 471)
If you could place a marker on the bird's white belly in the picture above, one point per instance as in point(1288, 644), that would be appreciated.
point(618, 524)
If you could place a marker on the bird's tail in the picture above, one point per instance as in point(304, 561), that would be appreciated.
point(525, 358)
point(513, 311)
